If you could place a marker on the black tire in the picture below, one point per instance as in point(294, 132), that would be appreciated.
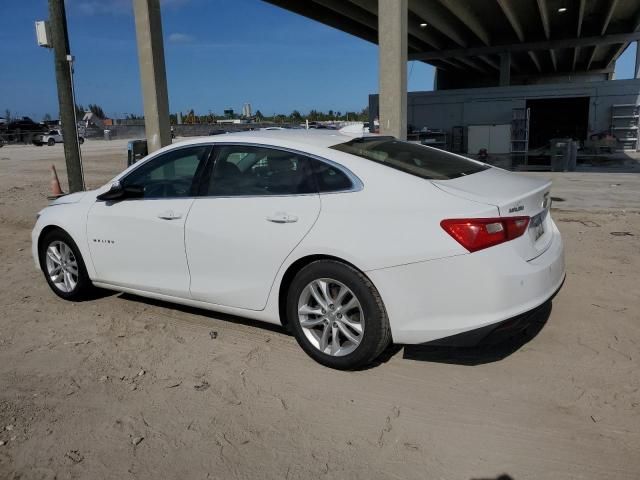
point(377, 333)
point(51, 142)
point(83, 286)
point(80, 140)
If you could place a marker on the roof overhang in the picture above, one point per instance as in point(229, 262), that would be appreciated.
point(543, 36)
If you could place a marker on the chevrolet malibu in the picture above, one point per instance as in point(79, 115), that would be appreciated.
point(349, 242)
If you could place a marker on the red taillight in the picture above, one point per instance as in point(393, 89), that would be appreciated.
point(477, 233)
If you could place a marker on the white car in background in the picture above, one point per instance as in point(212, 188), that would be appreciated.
point(350, 243)
point(53, 137)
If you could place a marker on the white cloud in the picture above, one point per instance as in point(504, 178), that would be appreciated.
point(180, 38)
point(115, 7)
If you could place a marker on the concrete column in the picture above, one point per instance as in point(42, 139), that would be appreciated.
point(637, 69)
point(505, 69)
point(392, 41)
point(152, 73)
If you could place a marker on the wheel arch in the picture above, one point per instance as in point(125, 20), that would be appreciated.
point(292, 271)
point(44, 232)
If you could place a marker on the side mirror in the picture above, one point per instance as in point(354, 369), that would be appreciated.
point(116, 192)
point(120, 192)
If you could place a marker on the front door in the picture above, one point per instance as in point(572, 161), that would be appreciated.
point(139, 242)
point(257, 205)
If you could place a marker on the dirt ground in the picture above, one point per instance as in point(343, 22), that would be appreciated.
point(125, 388)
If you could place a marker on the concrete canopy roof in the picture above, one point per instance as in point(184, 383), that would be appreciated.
point(469, 35)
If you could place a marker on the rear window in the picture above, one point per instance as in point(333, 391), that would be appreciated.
point(418, 160)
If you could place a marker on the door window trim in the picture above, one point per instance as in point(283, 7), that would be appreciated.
point(356, 183)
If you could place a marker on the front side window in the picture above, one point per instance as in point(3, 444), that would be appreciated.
point(418, 160)
point(170, 175)
point(242, 170)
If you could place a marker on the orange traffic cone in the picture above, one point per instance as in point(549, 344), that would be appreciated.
point(56, 191)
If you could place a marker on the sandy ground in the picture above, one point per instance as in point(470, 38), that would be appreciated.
point(121, 387)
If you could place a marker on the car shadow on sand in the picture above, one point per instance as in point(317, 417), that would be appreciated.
point(206, 313)
point(484, 353)
point(426, 353)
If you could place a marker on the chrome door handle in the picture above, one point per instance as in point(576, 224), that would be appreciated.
point(169, 215)
point(281, 217)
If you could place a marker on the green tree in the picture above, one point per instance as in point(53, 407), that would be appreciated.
point(7, 115)
point(259, 115)
point(97, 111)
point(46, 118)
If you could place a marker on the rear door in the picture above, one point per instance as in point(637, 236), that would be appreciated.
point(256, 205)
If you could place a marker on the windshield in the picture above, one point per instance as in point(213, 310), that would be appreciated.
point(422, 161)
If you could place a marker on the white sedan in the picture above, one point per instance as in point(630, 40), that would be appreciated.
point(350, 243)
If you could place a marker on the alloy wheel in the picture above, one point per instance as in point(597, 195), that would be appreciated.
point(331, 317)
point(62, 266)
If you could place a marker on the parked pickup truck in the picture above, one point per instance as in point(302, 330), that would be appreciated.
point(52, 137)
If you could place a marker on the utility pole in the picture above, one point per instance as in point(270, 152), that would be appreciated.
point(62, 58)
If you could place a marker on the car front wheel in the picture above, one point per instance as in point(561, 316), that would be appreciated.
point(337, 315)
point(51, 142)
point(63, 266)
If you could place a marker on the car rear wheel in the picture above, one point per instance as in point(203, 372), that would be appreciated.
point(63, 266)
point(80, 140)
point(51, 142)
point(337, 315)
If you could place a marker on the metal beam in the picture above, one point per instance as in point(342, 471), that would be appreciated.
point(348, 9)
point(528, 46)
point(536, 61)
point(511, 16)
point(489, 61)
point(356, 13)
point(473, 64)
point(469, 19)
point(436, 18)
point(517, 27)
point(324, 15)
point(607, 18)
point(567, 73)
point(423, 35)
point(576, 51)
point(592, 55)
point(617, 53)
point(605, 25)
point(544, 16)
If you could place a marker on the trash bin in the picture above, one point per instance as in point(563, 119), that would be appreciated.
point(136, 149)
point(563, 154)
point(107, 134)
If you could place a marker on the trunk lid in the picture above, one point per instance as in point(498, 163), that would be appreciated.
point(514, 195)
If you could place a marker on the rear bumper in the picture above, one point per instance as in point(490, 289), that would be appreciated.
point(432, 300)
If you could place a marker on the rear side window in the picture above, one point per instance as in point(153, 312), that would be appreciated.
point(330, 178)
point(418, 160)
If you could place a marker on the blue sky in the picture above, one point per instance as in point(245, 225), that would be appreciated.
point(219, 54)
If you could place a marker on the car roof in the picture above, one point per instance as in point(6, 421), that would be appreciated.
point(313, 137)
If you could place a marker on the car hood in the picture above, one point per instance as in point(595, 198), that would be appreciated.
point(69, 198)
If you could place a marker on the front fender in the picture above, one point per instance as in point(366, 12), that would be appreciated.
point(70, 217)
